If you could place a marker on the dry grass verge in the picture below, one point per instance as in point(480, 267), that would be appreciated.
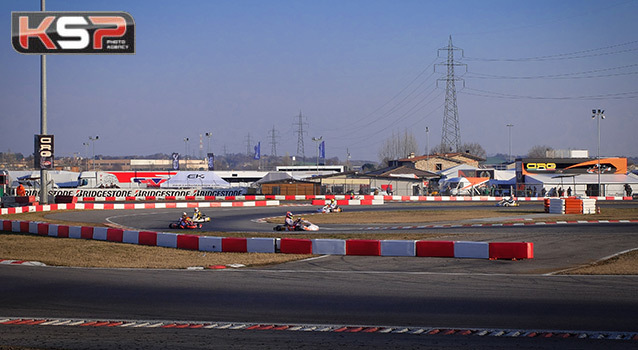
point(89, 253)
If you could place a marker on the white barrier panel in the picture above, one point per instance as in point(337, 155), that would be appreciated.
point(53, 230)
point(75, 232)
point(167, 239)
point(329, 246)
point(260, 245)
point(210, 244)
point(99, 233)
point(33, 227)
point(15, 226)
point(477, 250)
point(398, 248)
point(129, 236)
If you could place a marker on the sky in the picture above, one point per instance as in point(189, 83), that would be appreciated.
point(358, 71)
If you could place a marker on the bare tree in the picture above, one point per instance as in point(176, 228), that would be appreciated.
point(539, 151)
point(472, 148)
point(398, 146)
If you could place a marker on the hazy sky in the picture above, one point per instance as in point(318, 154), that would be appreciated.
point(358, 71)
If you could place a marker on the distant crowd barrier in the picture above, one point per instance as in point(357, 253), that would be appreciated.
point(129, 206)
point(353, 200)
point(360, 247)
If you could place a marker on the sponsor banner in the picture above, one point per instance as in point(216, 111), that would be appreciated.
point(142, 192)
point(43, 152)
point(60, 33)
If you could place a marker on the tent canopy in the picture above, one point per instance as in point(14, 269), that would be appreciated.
point(195, 179)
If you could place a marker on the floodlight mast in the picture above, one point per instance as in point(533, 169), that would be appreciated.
point(598, 114)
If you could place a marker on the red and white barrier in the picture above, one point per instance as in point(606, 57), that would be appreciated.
point(322, 197)
point(398, 248)
point(456, 249)
point(329, 246)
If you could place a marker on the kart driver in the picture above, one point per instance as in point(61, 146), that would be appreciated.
point(185, 220)
point(197, 215)
point(330, 206)
point(289, 223)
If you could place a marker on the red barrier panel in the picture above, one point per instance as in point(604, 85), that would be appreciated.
point(513, 250)
point(147, 238)
point(317, 202)
point(296, 246)
point(86, 232)
point(63, 231)
point(6, 225)
point(235, 245)
point(443, 249)
point(188, 242)
point(24, 226)
point(114, 235)
point(43, 229)
point(363, 247)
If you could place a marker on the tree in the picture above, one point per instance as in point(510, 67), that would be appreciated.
point(398, 146)
point(472, 148)
point(539, 151)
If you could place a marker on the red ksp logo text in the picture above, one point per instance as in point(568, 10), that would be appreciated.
point(73, 32)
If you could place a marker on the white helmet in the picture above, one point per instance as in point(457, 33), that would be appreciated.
point(196, 209)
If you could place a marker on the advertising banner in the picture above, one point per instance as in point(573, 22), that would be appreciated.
point(43, 152)
point(72, 33)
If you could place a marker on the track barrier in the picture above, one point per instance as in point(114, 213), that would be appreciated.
point(361, 247)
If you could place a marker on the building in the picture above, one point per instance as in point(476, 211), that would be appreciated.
point(437, 162)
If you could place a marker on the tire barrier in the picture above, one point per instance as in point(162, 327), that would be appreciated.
point(360, 247)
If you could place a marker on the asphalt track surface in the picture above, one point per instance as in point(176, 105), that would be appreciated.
point(335, 290)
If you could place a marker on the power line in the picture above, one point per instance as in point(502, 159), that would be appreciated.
point(576, 75)
point(485, 93)
point(562, 56)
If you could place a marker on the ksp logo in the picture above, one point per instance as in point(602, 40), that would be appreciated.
point(73, 32)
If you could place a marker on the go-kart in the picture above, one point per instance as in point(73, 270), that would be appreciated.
point(328, 209)
point(179, 225)
point(507, 202)
point(201, 220)
point(299, 225)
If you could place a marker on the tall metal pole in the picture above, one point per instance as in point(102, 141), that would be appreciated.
point(317, 141)
point(44, 181)
point(599, 114)
point(509, 126)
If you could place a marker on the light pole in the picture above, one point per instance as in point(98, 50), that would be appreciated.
point(208, 135)
point(509, 127)
point(600, 113)
point(427, 142)
point(86, 152)
point(185, 152)
point(317, 140)
point(93, 139)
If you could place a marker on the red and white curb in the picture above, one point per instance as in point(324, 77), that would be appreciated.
point(480, 332)
point(543, 223)
point(20, 262)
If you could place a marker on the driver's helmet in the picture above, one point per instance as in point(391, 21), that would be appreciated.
point(196, 210)
point(332, 200)
point(184, 215)
point(289, 215)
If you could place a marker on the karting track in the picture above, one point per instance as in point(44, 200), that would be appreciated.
point(336, 290)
